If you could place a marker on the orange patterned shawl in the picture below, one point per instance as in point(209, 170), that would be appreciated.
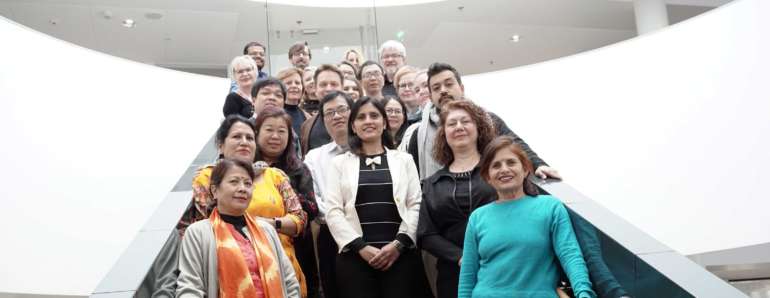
point(234, 277)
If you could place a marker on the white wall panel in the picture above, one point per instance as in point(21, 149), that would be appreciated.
point(668, 130)
point(91, 145)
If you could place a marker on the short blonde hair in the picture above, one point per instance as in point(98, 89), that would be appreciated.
point(243, 59)
point(404, 70)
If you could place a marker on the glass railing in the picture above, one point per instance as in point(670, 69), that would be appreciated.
point(622, 260)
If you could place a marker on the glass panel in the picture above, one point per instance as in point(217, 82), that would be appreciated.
point(328, 32)
point(615, 271)
point(482, 36)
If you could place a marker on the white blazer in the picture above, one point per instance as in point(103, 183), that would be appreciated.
point(342, 185)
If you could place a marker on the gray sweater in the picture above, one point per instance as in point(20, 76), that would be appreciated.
point(198, 275)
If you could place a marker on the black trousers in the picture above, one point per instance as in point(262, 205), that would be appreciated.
point(404, 279)
point(327, 254)
point(303, 247)
point(447, 279)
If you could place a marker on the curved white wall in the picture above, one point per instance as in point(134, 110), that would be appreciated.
point(668, 130)
point(91, 145)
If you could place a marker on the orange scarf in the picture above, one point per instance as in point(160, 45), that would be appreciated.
point(234, 277)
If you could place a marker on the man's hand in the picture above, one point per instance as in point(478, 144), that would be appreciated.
point(387, 256)
point(544, 172)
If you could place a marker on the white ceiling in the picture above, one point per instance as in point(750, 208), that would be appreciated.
point(203, 35)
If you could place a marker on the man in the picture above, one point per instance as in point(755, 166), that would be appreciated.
point(392, 57)
point(445, 85)
point(372, 79)
point(299, 55)
point(269, 92)
point(335, 112)
point(257, 52)
point(313, 134)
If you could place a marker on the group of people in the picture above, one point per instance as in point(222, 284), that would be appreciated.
point(368, 179)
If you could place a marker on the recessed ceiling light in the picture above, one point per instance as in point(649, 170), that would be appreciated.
point(153, 15)
point(129, 23)
point(53, 22)
point(327, 49)
point(514, 38)
point(107, 14)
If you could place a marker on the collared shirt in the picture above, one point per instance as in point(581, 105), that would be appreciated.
point(319, 162)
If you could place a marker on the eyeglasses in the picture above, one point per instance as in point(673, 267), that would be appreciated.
point(339, 110)
point(409, 85)
point(393, 111)
point(391, 56)
point(371, 75)
point(243, 71)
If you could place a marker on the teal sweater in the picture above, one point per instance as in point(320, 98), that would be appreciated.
point(513, 248)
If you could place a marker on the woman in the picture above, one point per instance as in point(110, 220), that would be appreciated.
point(310, 104)
point(275, 147)
point(242, 70)
point(396, 111)
point(348, 70)
point(453, 192)
point(352, 88)
point(353, 56)
point(234, 140)
point(521, 238)
point(292, 78)
point(404, 82)
point(274, 201)
point(210, 266)
point(373, 196)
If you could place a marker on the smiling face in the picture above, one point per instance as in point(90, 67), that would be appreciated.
point(268, 96)
point(239, 143)
point(347, 71)
point(421, 89)
point(233, 194)
point(327, 81)
point(444, 88)
point(258, 54)
point(273, 137)
point(395, 115)
point(301, 58)
point(351, 89)
point(245, 75)
point(506, 174)
point(406, 90)
point(307, 76)
point(336, 113)
point(293, 89)
point(391, 60)
point(461, 131)
point(369, 124)
point(372, 79)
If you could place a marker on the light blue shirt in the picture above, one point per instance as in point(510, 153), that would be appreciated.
point(514, 248)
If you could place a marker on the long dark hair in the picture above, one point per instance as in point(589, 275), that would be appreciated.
point(353, 140)
point(288, 160)
point(400, 132)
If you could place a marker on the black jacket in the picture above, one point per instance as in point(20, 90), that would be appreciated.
point(441, 227)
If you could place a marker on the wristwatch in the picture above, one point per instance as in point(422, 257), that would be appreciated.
point(277, 223)
point(399, 246)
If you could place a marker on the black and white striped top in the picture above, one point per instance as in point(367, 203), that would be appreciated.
point(375, 207)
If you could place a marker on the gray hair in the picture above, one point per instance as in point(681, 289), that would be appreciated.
point(243, 59)
point(393, 44)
